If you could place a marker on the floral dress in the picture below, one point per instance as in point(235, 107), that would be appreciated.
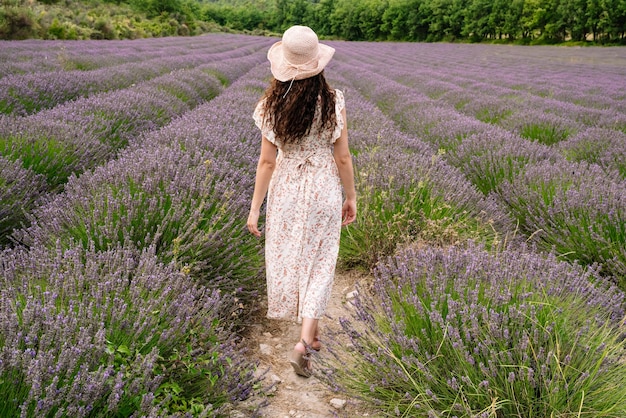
point(303, 220)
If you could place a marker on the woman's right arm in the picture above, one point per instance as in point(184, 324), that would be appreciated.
point(264, 170)
point(343, 159)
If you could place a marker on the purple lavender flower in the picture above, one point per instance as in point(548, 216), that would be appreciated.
point(576, 208)
point(20, 191)
point(85, 331)
point(428, 307)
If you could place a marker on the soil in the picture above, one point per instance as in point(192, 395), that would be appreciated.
point(292, 396)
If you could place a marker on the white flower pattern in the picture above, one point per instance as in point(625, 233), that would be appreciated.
point(303, 221)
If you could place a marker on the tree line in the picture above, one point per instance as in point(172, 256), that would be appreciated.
point(518, 21)
point(522, 21)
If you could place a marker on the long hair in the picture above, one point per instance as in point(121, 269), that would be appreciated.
point(290, 108)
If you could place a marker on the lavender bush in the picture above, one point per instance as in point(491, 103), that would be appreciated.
point(462, 332)
point(83, 134)
point(488, 109)
point(417, 198)
point(542, 127)
point(421, 135)
point(52, 149)
point(87, 132)
point(495, 155)
point(20, 191)
point(514, 78)
point(35, 56)
point(604, 147)
point(113, 333)
point(182, 203)
point(121, 115)
point(577, 209)
point(413, 112)
point(409, 202)
point(223, 127)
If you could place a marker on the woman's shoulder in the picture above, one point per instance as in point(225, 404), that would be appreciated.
point(340, 101)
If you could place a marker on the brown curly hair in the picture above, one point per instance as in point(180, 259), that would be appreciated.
point(290, 111)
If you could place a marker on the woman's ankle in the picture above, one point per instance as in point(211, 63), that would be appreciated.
point(316, 344)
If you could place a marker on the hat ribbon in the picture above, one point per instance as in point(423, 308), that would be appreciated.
point(297, 67)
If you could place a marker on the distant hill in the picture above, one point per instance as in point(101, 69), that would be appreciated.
point(118, 19)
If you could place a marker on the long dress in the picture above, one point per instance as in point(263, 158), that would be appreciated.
point(303, 220)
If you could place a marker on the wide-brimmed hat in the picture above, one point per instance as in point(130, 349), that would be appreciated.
point(299, 55)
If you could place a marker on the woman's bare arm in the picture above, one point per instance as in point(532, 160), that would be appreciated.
point(264, 170)
point(343, 159)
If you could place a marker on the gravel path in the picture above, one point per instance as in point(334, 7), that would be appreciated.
point(295, 396)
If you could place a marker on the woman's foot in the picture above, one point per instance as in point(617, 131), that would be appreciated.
point(299, 360)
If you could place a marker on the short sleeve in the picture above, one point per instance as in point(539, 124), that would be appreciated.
point(340, 104)
point(258, 116)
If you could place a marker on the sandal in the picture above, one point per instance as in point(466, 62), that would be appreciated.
point(300, 363)
point(316, 345)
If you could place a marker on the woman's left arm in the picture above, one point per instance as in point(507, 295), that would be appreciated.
point(264, 170)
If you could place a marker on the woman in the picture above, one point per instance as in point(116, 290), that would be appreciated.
point(304, 162)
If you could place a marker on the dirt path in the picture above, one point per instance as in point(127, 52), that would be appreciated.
point(295, 396)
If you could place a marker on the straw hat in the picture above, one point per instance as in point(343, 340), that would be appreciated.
point(299, 55)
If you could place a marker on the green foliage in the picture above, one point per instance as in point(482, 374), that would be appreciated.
point(192, 379)
point(518, 21)
point(55, 159)
point(462, 333)
point(396, 216)
point(17, 23)
point(581, 199)
point(85, 19)
point(545, 133)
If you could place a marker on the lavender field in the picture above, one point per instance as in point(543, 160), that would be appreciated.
point(492, 218)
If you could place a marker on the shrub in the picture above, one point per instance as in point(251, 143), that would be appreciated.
point(406, 192)
point(183, 204)
point(463, 332)
point(49, 148)
point(415, 199)
point(414, 113)
point(597, 145)
point(23, 94)
point(542, 127)
point(103, 29)
point(495, 155)
point(112, 333)
point(488, 109)
point(20, 191)
point(17, 23)
point(577, 209)
point(56, 30)
point(82, 134)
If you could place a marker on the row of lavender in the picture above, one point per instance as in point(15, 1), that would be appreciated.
point(474, 330)
point(559, 173)
point(23, 94)
point(502, 89)
point(33, 56)
point(143, 268)
point(38, 153)
point(586, 77)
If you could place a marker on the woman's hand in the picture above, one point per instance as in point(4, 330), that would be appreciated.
point(348, 212)
point(253, 221)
